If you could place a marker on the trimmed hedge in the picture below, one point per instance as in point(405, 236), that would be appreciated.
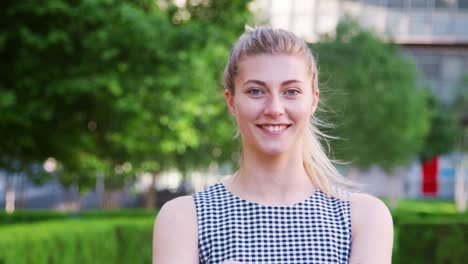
point(73, 241)
point(433, 241)
point(427, 216)
point(405, 217)
point(89, 238)
point(135, 242)
point(30, 216)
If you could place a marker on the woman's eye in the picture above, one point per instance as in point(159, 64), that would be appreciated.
point(255, 92)
point(292, 92)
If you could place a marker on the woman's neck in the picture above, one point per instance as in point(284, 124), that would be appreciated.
point(279, 179)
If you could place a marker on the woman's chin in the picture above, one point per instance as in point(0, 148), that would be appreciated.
point(274, 150)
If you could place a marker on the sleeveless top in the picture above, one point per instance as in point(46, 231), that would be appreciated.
point(314, 231)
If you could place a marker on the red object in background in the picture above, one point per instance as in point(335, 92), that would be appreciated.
point(429, 178)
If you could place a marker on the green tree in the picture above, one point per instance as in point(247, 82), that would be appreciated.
point(104, 83)
point(196, 127)
point(460, 106)
point(445, 130)
point(380, 114)
point(70, 72)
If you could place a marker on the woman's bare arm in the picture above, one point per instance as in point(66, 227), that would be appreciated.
point(372, 231)
point(175, 234)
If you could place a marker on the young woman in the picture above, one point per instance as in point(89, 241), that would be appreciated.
point(286, 204)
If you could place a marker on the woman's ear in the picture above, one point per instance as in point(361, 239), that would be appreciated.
point(315, 99)
point(229, 101)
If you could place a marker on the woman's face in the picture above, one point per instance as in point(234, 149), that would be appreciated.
point(272, 103)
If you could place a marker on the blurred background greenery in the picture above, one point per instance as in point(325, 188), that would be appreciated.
point(96, 93)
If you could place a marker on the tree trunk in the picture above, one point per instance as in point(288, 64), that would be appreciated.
point(150, 199)
point(76, 202)
point(113, 199)
point(21, 200)
point(72, 198)
point(461, 184)
point(395, 187)
point(9, 195)
point(100, 189)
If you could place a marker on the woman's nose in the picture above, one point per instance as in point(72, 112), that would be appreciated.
point(274, 107)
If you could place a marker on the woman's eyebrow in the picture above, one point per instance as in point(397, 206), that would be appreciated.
point(290, 82)
point(287, 82)
point(255, 82)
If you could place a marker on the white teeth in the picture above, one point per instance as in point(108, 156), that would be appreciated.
point(275, 128)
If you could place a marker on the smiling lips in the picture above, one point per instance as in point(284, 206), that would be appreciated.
point(274, 128)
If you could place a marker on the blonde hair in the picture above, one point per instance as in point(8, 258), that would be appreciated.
point(269, 41)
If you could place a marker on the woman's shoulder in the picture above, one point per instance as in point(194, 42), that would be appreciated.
point(371, 228)
point(175, 233)
point(177, 215)
point(366, 203)
point(369, 214)
point(184, 205)
point(366, 206)
point(180, 206)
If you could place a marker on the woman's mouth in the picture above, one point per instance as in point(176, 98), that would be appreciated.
point(274, 129)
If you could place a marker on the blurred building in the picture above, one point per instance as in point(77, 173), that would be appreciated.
point(433, 32)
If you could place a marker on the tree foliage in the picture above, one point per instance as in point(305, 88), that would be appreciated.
point(461, 110)
point(445, 130)
point(101, 84)
point(380, 114)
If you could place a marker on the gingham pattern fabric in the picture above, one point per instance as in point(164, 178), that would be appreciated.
point(314, 231)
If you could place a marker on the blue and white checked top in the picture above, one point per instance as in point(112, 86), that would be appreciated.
point(314, 231)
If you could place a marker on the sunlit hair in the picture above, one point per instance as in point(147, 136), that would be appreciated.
point(269, 41)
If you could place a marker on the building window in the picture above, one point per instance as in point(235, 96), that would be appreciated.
point(395, 3)
point(442, 24)
point(461, 30)
point(429, 65)
point(445, 3)
point(396, 24)
point(375, 2)
point(453, 68)
point(420, 3)
point(420, 24)
point(463, 4)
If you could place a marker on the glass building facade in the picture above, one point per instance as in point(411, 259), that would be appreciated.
point(433, 32)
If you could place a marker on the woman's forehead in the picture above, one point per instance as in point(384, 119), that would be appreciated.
point(274, 68)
